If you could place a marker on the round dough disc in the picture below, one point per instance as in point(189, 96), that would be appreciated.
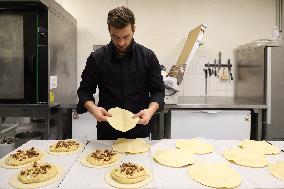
point(84, 162)
point(15, 182)
point(109, 180)
point(122, 120)
point(246, 158)
point(133, 146)
point(174, 157)
point(217, 175)
point(259, 146)
point(195, 146)
point(277, 169)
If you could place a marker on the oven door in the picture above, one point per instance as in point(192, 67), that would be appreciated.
point(19, 55)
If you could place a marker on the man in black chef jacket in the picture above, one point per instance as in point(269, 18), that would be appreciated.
point(128, 76)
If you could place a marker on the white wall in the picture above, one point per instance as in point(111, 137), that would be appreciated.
point(163, 25)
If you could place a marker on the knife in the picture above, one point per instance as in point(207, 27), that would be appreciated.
point(206, 75)
point(214, 69)
point(219, 61)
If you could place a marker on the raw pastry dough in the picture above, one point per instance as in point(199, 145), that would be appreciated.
point(129, 175)
point(195, 146)
point(174, 157)
point(100, 158)
point(277, 169)
point(217, 175)
point(37, 173)
point(245, 157)
point(21, 158)
point(64, 147)
point(259, 146)
point(122, 120)
point(132, 146)
point(17, 183)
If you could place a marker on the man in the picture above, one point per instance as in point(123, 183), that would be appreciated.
point(128, 76)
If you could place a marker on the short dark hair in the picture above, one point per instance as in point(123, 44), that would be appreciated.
point(120, 17)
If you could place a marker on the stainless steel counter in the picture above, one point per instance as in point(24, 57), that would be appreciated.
point(258, 126)
point(218, 102)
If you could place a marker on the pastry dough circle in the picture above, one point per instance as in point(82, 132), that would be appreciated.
point(174, 157)
point(122, 120)
point(245, 157)
point(217, 175)
point(15, 182)
point(66, 153)
point(277, 169)
point(132, 146)
point(109, 180)
point(195, 146)
point(84, 162)
point(259, 146)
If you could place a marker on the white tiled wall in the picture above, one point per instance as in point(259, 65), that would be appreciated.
point(194, 80)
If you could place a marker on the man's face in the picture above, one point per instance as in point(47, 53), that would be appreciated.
point(121, 38)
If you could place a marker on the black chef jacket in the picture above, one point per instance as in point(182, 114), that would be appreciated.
point(130, 82)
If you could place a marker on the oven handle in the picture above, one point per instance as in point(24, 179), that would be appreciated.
point(32, 62)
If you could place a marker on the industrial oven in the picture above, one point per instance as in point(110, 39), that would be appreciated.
point(38, 64)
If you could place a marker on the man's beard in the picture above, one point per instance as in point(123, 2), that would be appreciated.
point(122, 51)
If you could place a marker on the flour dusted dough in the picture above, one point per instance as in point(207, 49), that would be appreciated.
point(174, 157)
point(106, 159)
point(259, 146)
point(277, 169)
point(195, 146)
point(15, 182)
point(132, 146)
point(65, 147)
point(122, 120)
point(217, 175)
point(119, 179)
point(245, 157)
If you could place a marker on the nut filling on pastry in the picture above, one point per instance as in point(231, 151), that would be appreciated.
point(65, 146)
point(23, 156)
point(129, 173)
point(102, 157)
point(37, 173)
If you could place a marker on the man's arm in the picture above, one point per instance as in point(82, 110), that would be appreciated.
point(155, 82)
point(88, 85)
point(98, 112)
point(86, 90)
point(156, 89)
point(146, 114)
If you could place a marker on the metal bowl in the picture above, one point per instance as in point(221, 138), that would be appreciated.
point(7, 145)
point(24, 137)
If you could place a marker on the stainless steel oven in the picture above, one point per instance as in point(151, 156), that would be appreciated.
point(37, 53)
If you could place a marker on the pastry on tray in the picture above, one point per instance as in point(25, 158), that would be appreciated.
point(36, 175)
point(129, 175)
point(100, 158)
point(21, 158)
point(65, 147)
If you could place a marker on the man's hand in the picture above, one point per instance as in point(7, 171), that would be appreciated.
point(146, 114)
point(98, 112)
